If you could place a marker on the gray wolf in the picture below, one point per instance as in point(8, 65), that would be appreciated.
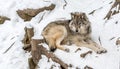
point(76, 31)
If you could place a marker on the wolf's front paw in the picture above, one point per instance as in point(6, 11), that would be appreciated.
point(52, 49)
point(101, 51)
point(67, 50)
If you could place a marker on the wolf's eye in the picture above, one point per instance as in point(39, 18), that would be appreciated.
point(84, 23)
point(80, 23)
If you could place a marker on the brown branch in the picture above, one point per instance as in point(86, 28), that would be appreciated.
point(77, 50)
point(28, 14)
point(28, 35)
point(52, 67)
point(3, 19)
point(27, 38)
point(51, 7)
point(84, 54)
point(32, 65)
point(35, 51)
point(78, 68)
point(88, 67)
point(27, 47)
point(38, 50)
point(111, 13)
point(53, 57)
point(118, 41)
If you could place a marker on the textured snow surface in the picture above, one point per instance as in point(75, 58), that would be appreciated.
point(13, 32)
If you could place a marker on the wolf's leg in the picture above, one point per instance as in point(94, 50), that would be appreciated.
point(59, 37)
point(100, 48)
point(51, 43)
point(92, 45)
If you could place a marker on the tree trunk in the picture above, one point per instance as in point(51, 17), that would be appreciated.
point(111, 13)
point(38, 50)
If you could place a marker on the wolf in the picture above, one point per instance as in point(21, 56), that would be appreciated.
point(76, 31)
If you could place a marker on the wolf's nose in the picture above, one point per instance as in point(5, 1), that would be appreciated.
point(76, 30)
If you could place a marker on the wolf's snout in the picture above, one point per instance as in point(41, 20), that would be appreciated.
point(76, 30)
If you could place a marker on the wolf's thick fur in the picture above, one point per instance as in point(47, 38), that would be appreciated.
point(75, 31)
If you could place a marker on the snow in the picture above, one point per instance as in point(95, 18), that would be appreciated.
point(13, 32)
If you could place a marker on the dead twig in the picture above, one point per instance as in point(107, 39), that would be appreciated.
point(99, 40)
point(9, 48)
point(111, 2)
point(65, 4)
point(84, 54)
point(112, 38)
point(52, 66)
point(111, 13)
point(46, 1)
point(77, 50)
point(91, 13)
point(41, 18)
point(88, 67)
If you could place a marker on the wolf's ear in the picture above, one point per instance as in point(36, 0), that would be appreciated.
point(83, 15)
point(72, 15)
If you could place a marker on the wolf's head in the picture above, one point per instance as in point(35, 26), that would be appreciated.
point(80, 23)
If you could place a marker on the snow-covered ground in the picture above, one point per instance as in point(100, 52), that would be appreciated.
point(13, 31)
